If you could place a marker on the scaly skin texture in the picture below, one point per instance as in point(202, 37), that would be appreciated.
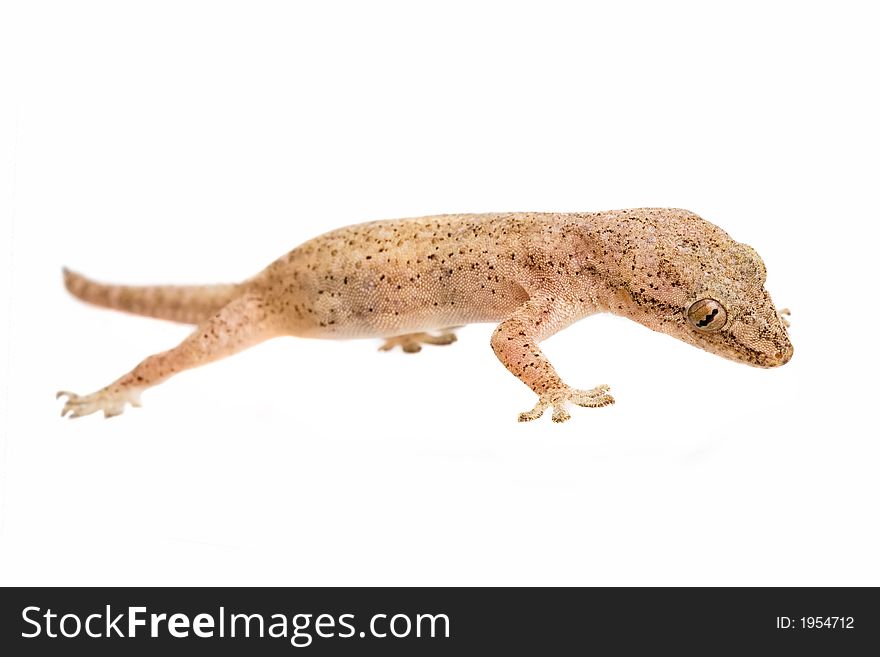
point(532, 274)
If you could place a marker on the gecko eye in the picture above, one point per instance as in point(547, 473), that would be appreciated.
point(707, 315)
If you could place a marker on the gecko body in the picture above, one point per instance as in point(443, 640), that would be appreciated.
point(409, 280)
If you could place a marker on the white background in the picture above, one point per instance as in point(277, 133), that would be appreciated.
point(195, 142)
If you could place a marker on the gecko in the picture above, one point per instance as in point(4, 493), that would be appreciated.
point(413, 281)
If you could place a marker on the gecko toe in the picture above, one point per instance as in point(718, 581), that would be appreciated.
point(411, 343)
point(784, 314)
point(536, 412)
point(596, 402)
point(441, 339)
point(558, 399)
point(111, 402)
point(560, 414)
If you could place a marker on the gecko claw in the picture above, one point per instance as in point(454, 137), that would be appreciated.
point(111, 403)
point(595, 398)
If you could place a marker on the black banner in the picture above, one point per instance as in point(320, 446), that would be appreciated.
point(418, 621)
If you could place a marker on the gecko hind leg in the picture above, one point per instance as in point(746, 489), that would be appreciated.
point(240, 324)
point(412, 343)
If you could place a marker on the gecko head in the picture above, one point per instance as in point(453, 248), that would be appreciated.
point(729, 312)
point(706, 289)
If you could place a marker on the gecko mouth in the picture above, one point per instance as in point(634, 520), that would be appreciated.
point(734, 348)
point(778, 359)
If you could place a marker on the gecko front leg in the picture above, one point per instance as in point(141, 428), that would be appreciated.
point(515, 342)
point(239, 325)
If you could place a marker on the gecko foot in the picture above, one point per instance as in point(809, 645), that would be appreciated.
point(107, 400)
point(595, 398)
point(784, 314)
point(412, 342)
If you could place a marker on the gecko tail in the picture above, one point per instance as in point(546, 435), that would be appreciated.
point(187, 304)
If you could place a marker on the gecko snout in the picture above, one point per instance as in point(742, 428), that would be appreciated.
point(779, 356)
point(782, 357)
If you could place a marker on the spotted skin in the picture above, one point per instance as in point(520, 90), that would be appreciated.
point(409, 280)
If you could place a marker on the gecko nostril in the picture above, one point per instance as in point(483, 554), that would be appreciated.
point(707, 315)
